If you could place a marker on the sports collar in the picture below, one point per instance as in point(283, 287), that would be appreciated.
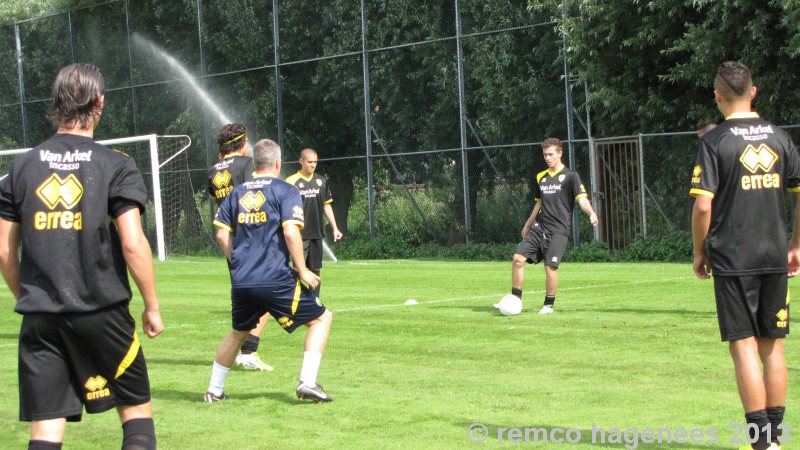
point(743, 115)
point(300, 174)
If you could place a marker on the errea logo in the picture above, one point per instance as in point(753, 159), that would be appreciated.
point(221, 179)
point(252, 203)
point(97, 388)
point(761, 159)
point(783, 318)
point(54, 191)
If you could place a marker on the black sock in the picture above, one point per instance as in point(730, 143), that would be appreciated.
point(43, 445)
point(250, 344)
point(760, 420)
point(139, 434)
point(517, 292)
point(549, 300)
point(775, 415)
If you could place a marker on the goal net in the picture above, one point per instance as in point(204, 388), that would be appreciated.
point(173, 220)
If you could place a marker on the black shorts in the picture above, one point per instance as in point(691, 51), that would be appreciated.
point(312, 252)
point(752, 305)
point(540, 246)
point(291, 306)
point(68, 361)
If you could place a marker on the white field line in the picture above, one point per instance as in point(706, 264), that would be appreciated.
point(479, 297)
point(444, 300)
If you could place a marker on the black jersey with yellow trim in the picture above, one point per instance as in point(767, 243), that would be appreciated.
point(744, 165)
point(316, 195)
point(65, 194)
point(557, 191)
point(228, 172)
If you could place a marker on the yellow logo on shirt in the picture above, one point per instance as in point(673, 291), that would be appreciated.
point(252, 203)
point(222, 181)
point(762, 158)
point(696, 174)
point(54, 191)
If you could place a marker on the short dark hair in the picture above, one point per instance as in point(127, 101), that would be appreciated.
point(265, 153)
point(76, 95)
point(549, 142)
point(704, 126)
point(733, 80)
point(231, 137)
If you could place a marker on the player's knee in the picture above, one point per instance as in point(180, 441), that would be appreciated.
point(519, 260)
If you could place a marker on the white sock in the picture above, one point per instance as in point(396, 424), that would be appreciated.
point(308, 374)
point(218, 375)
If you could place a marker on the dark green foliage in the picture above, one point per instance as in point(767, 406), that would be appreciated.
point(673, 247)
point(589, 252)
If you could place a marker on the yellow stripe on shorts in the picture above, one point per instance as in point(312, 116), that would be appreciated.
point(296, 299)
point(129, 357)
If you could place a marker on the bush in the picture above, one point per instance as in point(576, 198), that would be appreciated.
point(589, 252)
point(674, 247)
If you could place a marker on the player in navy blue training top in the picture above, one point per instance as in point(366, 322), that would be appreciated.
point(234, 168)
point(545, 233)
point(259, 227)
point(75, 207)
point(744, 166)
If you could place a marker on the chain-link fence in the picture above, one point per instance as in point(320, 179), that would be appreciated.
point(427, 118)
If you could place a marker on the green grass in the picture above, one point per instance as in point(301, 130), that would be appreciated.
point(630, 346)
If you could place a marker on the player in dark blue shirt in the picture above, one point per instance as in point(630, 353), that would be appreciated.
point(234, 168)
point(259, 227)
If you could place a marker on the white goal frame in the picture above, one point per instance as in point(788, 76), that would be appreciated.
point(155, 167)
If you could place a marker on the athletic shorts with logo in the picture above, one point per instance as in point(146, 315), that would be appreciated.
point(71, 361)
point(752, 305)
point(312, 252)
point(540, 246)
point(291, 306)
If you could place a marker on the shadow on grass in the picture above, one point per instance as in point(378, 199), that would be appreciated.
point(584, 439)
point(197, 397)
point(9, 336)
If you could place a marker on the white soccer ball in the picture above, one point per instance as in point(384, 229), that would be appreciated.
point(509, 305)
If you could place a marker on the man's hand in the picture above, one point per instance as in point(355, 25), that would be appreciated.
point(794, 262)
point(337, 235)
point(525, 230)
point(151, 323)
point(310, 279)
point(702, 266)
point(593, 219)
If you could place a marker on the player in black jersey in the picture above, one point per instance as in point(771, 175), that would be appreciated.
point(259, 231)
point(544, 235)
point(743, 167)
point(317, 201)
point(234, 168)
point(75, 207)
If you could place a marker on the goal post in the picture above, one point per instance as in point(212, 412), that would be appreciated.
point(164, 153)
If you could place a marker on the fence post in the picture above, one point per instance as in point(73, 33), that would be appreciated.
point(276, 39)
point(642, 186)
point(594, 185)
point(462, 127)
point(367, 122)
point(23, 113)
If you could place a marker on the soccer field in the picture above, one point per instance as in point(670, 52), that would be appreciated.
point(630, 346)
